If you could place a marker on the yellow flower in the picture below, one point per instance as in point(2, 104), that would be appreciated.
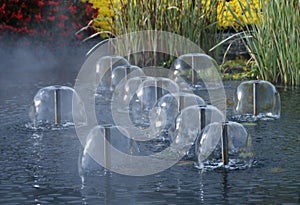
point(231, 13)
point(228, 12)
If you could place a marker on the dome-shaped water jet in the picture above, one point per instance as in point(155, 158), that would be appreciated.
point(53, 105)
point(199, 69)
point(191, 121)
point(222, 144)
point(256, 99)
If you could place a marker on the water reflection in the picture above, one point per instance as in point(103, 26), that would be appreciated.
point(225, 188)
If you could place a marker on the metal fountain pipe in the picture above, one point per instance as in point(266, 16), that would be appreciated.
point(180, 103)
point(127, 71)
point(202, 116)
point(57, 106)
point(255, 96)
point(159, 91)
point(224, 143)
point(194, 73)
point(110, 78)
point(106, 147)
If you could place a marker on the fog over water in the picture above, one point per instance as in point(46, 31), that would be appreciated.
point(25, 62)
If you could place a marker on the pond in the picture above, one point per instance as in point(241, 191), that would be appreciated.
point(41, 166)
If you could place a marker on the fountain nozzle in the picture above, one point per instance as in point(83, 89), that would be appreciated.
point(57, 107)
point(224, 142)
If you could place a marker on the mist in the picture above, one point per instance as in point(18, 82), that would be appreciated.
point(35, 62)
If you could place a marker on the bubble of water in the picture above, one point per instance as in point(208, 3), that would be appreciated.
point(52, 105)
point(104, 74)
point(256, 99)
point(195, 67)
point(208, 145)
point(148, 93)
point(191, 121)
point(169, 107)
point(98, 147)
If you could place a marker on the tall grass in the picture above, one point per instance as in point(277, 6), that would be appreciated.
point(274, 42)
point(195, 20)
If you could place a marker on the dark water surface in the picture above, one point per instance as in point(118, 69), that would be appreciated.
point(41, 167)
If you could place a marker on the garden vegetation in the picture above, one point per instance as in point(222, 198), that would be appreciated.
point(51, 21)
point(269, 29)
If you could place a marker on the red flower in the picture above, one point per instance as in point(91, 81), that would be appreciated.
point(53, 3)
point(72, 9)
point(27, 19)
point(79, 36)
point(62, 17)
point(32, 19)
point(51, 18)
point(74, 25)
point(23, 5)
point(61, 25)
point(38, 17)
point(63, 34)
point(19, 15)
point(2, 9)
point(55, 9)
point(95, 14)
point(40, 3)
point(89, 9)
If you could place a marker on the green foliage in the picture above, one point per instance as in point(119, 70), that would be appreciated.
point(273, 42)
point(239, 69)
point(190, 19)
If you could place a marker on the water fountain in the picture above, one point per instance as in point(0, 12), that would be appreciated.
point(148, 93)
point(124, 72)
point(126, 92)
point(134, 101)
point(102, 144)
point(104, 70)
point(257, 99)
point(169, 107)
point(191, 121)
point(199, 69)
point(39, 166)
point(52, 105)
point(224, 144)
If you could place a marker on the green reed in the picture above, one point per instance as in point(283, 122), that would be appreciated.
point(195, 20)
point(273, 42)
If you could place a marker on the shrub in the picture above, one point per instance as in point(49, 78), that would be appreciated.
point(43, 20)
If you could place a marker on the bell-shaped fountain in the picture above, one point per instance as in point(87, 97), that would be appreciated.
point(52, 105)
point(148, 93)
point(101, 148)
point(199, 69)
point(169, 107)
point(124, 73)
point(256, 99)
point(126, 93)
point(191, 121)
point(104, 69)
point(224, 144)
point(126, 106)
